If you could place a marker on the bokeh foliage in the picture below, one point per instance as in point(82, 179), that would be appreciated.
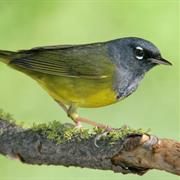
point(155, 105)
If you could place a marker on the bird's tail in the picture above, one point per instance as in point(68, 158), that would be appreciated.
point(5, 56)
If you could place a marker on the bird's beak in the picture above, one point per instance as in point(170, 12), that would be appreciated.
point(160, 61)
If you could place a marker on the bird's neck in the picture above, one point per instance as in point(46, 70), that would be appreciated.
point(126, 83)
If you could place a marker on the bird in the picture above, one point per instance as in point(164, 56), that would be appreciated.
point(87, 75)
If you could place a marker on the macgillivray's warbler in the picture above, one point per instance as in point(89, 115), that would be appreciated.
point(88, 75)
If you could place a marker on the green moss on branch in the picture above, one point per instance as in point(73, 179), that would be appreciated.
point(60, 133)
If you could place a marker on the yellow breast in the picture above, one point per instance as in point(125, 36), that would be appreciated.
point(82, 92)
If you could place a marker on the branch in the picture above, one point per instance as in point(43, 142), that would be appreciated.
point(122, 150)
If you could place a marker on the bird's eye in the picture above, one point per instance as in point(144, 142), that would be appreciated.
point(139, 52)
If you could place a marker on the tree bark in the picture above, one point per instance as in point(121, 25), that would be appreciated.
point(131, 153)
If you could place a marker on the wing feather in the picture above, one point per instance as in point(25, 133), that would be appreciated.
point(88, 61)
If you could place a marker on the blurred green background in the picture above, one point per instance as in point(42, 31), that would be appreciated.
point(26, 24)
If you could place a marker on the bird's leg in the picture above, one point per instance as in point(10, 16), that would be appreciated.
point(71, 112)
point(62, 105)
point(77, 119)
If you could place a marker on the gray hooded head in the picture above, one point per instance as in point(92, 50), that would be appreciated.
point(133, 57)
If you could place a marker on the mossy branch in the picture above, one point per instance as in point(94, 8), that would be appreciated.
point(122, 150)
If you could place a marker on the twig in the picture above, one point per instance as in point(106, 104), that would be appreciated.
point(123, 150)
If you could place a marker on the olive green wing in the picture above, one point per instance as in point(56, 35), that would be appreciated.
point(87, 61)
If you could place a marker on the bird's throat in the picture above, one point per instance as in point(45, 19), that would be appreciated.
point(126, 86)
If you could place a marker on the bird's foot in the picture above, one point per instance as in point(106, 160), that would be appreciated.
point(78, 125)
point(101, 135)
point(105, 133)
point(98, 137)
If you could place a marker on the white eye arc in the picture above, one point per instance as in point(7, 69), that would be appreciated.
point(139, 52)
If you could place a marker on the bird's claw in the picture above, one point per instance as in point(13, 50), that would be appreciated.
point(104, 134)
point(99, 136)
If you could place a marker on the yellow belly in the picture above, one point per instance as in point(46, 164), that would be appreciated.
point(82, 92)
